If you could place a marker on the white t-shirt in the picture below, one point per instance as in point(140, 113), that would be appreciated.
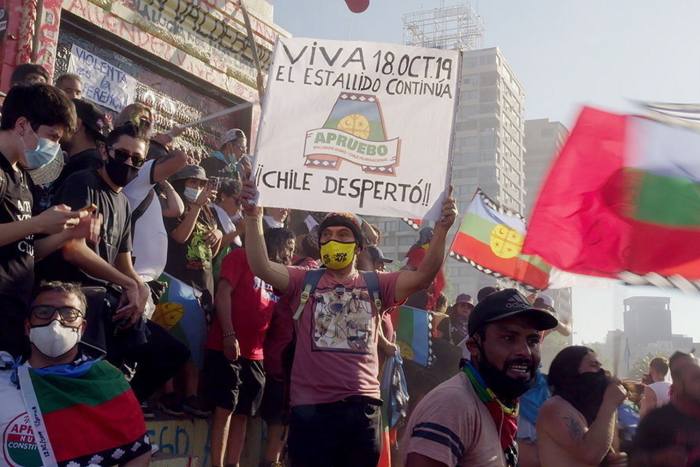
point(662, 389)
point(16, 430)
point(149, 239)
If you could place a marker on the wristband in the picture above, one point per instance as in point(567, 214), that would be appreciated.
point(229, 334)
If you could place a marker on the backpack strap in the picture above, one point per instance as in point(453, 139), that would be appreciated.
point(140, 210)
point(372, 282)
point(310, 282)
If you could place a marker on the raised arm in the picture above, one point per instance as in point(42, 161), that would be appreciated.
point(410, 282)
point(173, 206)
point(183, 231)
point(168, 165)
point(588, 445)
point(273, 273)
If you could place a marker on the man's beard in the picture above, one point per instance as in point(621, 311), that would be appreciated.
point(506, 388)
point(586, 393)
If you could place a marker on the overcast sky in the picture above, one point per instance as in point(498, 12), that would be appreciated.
point(565, 53)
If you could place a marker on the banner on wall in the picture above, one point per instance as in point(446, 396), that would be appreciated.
point(355, 126)
point(103, 83)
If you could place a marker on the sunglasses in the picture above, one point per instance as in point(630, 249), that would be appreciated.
point(67, 314)
point(123, 155)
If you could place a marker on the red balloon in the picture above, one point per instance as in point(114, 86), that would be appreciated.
point(357, 6)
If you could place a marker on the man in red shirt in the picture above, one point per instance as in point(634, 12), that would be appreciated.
point(234, 365)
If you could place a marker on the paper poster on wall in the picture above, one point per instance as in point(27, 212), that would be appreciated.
point(354, 126)
point(103, 83)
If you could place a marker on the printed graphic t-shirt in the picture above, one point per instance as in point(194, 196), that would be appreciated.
point(252, 303)
point(336, 348)
point(452, 426)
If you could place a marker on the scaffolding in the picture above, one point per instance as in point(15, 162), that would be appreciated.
point(456, 27)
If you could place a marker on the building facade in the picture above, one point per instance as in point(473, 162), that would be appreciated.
point(184, 59)
point(488, 146)
point(543, 138)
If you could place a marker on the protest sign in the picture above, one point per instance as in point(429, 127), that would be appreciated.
point(360, 127)
point(103, 83)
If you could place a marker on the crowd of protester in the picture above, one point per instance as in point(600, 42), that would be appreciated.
point(102, 219)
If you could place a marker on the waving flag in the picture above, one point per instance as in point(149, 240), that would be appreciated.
point(622, 200)
point(84, 415)
point(491, 239)
point(413, 331)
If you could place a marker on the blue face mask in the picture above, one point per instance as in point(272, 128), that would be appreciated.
point(46, 150)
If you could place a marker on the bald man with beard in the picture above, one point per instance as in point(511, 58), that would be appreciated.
point(576, 426)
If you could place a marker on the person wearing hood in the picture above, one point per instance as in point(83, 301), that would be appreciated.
point(471, 419)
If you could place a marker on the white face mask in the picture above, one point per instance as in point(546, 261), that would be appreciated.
point(191, 194)
point(54, 339)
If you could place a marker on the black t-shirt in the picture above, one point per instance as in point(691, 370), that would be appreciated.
point(78, 190)
point(16, 258)
point(663, 428)
point(191, 262)
point(90, 159)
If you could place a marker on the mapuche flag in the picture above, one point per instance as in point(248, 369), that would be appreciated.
point(491, 239)
point(413, 332)
point(622, 200)
point(82, 414)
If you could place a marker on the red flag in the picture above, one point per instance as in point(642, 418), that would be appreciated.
point(622, 197)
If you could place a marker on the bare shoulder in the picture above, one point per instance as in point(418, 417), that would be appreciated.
point(557, 415)
point(555, 404)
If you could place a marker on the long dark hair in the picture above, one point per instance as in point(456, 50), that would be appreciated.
point(582, 390)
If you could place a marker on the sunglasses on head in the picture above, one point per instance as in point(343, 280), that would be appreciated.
point(67, 314)
point(122, 155)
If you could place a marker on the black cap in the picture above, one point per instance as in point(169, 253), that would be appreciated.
point(505, 304)
point(93, 118)
point(377, 254)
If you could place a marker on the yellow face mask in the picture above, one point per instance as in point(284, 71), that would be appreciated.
point(337, 255)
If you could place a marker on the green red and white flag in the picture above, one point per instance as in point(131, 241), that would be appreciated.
point(89, 418)
point(491, 237)
point(622, 200)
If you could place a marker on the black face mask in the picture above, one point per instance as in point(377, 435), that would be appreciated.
point(586, 393)
point(120, 173)
point(506, 388)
